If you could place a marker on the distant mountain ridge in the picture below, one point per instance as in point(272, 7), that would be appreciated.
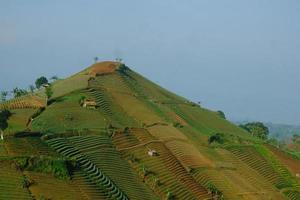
point(283, 131)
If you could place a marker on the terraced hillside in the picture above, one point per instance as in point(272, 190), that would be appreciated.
point(109, 133)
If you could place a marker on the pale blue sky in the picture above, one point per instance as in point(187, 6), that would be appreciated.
point(239, 56)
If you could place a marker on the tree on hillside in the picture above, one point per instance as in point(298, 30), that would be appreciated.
point(54, 78)
point(218, 137)
point(49, 92)
point(296, 138)
point(3, 95)
point(19, 92)
point(31, 88)
point(221, 114)
point(119, 60)
point(41, 81)
point(96, 59)
point(4, 115)
point(257, 129)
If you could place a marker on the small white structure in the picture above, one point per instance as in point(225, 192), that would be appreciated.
point(2, 137)
point(45, 85)
point(152, 153)
point(89, 103)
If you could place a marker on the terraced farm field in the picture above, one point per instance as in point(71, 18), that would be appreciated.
point(28, 146)
point(165, 173)
point(114, 114)
point(47, 187)
point(291, 163)
point(97, 155)
point(67, 114)
point(109, 133)
point(3, 152)
point(24, 102)
point(188, 155)
point(252, 158)
point(12, 183)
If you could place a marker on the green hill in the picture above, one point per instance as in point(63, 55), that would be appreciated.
point(109, 133)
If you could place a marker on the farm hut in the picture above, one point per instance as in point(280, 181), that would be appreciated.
point(152, 153)
point(89, 103)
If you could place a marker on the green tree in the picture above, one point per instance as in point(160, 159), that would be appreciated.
point(257, 129)
point(4, 115)
point(19, 92)
point(41, 81)
point(221, 114)
point(54, 78)
point(218, 137)
point(49, 92)
point(31, 88)
point(296, 138)
point(3, 95)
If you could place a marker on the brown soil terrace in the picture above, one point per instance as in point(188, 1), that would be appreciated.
point(106, 67)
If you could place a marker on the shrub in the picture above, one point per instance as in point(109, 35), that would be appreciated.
point(27, 182)
point(81, 100)
point(257, 129)
point(215, 192)
point(221, 114)
point(58, 167)
point(126, 130)
point(177, 125)
point(170, 196)
point(49, 92)
point(19, 92)
point(218, 137)
point(41, 81)
point(133, 159)
point(157, 182)
point(4, 116)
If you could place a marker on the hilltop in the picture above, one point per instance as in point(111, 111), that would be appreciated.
point(107, 132)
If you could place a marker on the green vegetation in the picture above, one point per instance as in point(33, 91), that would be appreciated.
point(4, 116)
point(296, 138)
point(58, 167)
point(49, 92)
point(221, 114)
point(218, 138)
point(41, 81)
point(139, 141)
point(256, 129)
point(19, 92)
point(66, 114)
point(215, 192)
point(3, 96)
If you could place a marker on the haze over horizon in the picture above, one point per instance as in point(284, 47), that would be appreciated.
point(241, 57)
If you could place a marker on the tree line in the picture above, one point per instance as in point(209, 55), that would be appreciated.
point(18, 92)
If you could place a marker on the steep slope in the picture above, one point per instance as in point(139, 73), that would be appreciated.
point(109, 133)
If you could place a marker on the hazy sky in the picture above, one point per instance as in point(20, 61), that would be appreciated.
point(239, 56)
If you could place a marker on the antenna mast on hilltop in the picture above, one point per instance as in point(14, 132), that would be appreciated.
point(119, 60)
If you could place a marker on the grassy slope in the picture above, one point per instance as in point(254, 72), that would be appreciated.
point(19, 119)
point(128, 99)
point(67, 114)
